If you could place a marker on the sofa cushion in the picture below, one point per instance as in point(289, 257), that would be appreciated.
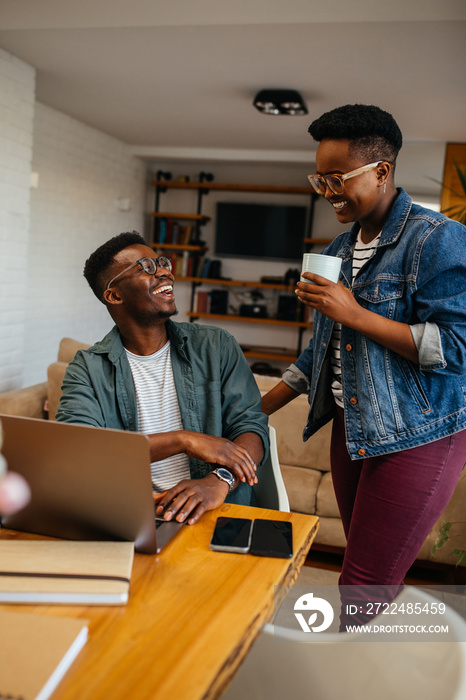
point(68, 349)
point(330, 533)
point(289, 423)
point(29, 401)
point(55, 373)
point(301, 486)
point(326, 502)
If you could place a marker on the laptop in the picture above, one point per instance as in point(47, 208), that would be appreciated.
point(86, 483)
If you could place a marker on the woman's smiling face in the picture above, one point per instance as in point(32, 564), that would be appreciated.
point(361, 197)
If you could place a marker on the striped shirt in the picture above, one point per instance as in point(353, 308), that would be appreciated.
point(159, 411)
point(361, 254)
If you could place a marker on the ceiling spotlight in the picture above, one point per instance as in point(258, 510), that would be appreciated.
point(280, 102)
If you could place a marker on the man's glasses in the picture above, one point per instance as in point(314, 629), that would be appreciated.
point(148, 265)
point(336, 183)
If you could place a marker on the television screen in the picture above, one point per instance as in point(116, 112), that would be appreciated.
point(269, 231)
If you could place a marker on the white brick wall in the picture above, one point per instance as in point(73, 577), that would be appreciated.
point(17, 87)
point(47, 233)
point(82, 173)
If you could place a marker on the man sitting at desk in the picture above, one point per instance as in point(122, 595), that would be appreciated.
point(187, 386)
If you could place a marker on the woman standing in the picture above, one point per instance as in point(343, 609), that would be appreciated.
point(387, 360)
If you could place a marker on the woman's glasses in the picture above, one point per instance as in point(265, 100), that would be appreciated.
point(148, 265)
point(336, 183)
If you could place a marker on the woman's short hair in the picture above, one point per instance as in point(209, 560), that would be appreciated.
point(374, 133)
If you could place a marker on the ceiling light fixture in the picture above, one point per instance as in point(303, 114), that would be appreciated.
point(280, 102)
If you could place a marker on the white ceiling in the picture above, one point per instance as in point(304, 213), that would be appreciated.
point(171, 77)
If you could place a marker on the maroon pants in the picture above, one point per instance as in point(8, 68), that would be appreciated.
point(388, 504)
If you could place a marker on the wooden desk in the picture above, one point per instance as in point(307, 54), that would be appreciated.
point(191, 617)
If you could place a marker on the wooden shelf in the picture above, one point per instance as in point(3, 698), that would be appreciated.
point(235, 283)
point(176, 215)
point(249, 319)
point(179, 246)
point(219, 186)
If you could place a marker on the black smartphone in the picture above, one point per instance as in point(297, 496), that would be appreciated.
point(272, 538)
point(232, 535)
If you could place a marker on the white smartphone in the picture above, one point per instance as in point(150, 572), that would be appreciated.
point(232, 535)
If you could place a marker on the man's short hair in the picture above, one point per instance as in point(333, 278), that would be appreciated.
point(95, 269)
point(374, 133)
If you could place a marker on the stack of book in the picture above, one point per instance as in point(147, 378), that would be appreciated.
point(36, 650)
point(186, 263)
point(172, 232)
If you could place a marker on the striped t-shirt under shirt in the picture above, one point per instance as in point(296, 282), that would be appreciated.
point(361, 254)
point(159, 411)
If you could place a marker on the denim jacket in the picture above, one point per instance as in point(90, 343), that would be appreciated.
point(417, 276)
point(216, 390)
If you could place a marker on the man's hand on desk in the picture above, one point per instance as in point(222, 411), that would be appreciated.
point(191, 498)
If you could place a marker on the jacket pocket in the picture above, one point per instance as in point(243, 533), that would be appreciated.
point(414, 384)
point(380, 290)
point(384, 294)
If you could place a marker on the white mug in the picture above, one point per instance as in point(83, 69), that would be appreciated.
point(327, 266)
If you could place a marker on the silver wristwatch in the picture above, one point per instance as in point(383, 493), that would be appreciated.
point(225, 475)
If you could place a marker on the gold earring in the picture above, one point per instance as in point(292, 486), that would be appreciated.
point(385, 187)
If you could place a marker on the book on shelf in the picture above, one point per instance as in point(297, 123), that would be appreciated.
point(202, 302)
point(162, 231)
point(177, 265)
point(198, 259)
point(36, 651)
point(184, 234)
point(184, 263)
point(65, 571)
point(171, 232)
point(206, 268)
point(201, 266)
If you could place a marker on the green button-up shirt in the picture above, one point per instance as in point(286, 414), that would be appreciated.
point(217, 393)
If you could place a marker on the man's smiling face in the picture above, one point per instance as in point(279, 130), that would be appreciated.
point(144, 296)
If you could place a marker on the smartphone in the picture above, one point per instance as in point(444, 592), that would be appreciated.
point(232, 535)
point(272, 538)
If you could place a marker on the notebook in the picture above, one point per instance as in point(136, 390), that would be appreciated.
point(86, 483)
point(35, 653)
point(65, 571)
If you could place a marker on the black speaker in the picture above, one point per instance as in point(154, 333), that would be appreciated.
point(219, 301)
point(287, 307)
point(253, 310)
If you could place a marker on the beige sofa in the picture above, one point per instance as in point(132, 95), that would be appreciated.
point(41, 400)
point(305, 466)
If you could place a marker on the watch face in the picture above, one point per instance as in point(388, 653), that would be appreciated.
point(225, 473)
